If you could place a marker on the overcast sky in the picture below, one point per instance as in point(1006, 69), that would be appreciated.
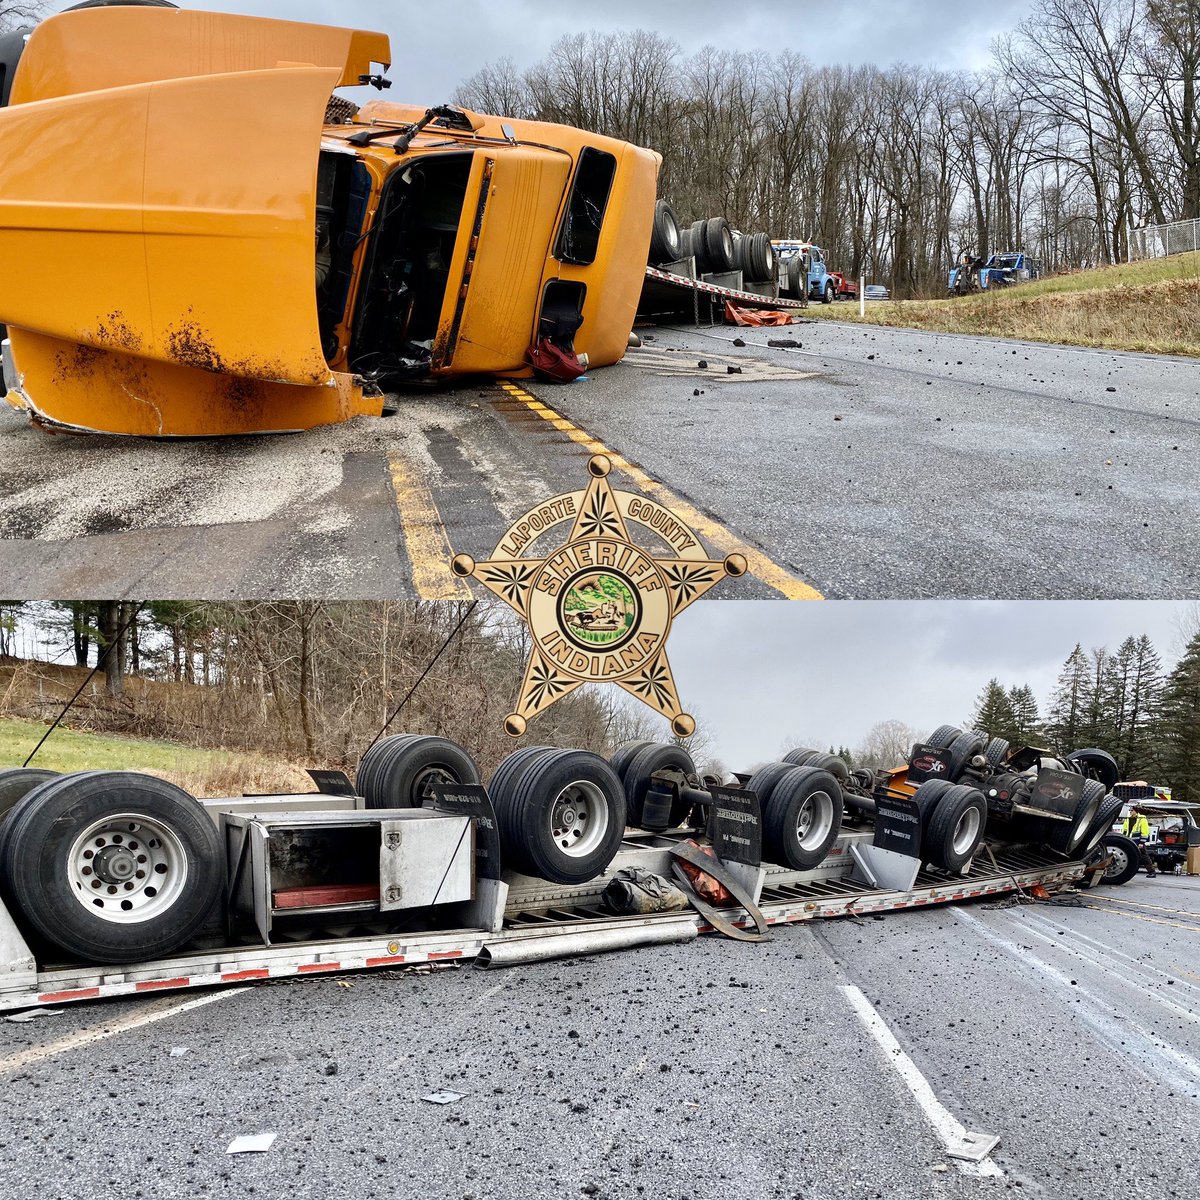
point(759, 672)
point(436, 46)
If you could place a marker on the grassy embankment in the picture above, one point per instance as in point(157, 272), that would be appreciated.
point(1149, 306)
point(201, 772)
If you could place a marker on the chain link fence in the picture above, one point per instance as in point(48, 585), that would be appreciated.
point(1158, 241)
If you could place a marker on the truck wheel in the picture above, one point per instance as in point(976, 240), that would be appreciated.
point(756, 257)
point(996, 752)
point(927, 797)
point(718, 245)
point(1099, 764)
point(835, 764)
point(650, 758)
point(623, 755)
point(796, 283)
point(561, 816)
point(803, 818)
point(764, 781)
point(700, 249)
point(830, 291)
point(801, 756)
point(1066, 839)
point(664, 240)
point(963, 749)
point(1125, 859)
point(400, 771)
point(1108, 812)
point(112, 866)
point(16, 782)
point(942, 736)
point(955, 828)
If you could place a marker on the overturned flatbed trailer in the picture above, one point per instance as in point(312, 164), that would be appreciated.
point(526, 920)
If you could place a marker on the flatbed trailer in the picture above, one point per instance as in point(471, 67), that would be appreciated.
point(520, 919)
point(666, 294)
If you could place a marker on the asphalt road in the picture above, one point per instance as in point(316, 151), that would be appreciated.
point(709, 1071)
point(864, 463)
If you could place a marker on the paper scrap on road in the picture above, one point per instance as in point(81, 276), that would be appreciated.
point(179, 1051)
point(443, 1097)
point(252, 1143)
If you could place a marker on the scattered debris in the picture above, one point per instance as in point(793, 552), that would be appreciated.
point(331, 1068)
point(33, 1014)
point(703, 364)
point(252, 1143)
point(179, 1051)
point(443, 1097)
point(733, 370)
point(739, 343)
point(785, 344)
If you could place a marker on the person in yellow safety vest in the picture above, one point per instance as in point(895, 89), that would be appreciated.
point(1138, 828)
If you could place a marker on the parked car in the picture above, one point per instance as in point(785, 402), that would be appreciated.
point(876, 291)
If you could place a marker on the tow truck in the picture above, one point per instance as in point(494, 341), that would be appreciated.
point(115, 883)
point(1000, 271)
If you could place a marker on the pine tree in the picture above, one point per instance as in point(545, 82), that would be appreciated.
point(994, 712)
point(1143, 702)
point(1069, 706)
point(1027, 724)
point(1098, 725)
point(1179, 726)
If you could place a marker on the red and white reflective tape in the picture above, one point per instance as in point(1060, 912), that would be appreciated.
point(700, 285)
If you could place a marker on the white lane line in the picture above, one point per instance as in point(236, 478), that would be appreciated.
point(1160, 1061)
point(1107, 966)
point(86, 1037)
point(1140, 964)
point(950, 1131)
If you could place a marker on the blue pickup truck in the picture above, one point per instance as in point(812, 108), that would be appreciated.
point(1001, 270)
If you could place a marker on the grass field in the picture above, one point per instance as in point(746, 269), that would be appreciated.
point(201, 772)
point(1149, 306)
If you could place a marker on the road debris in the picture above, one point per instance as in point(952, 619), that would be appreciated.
point(444, 1097)
point(252, 1143)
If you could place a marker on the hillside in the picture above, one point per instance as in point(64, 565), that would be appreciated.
point(1149, 306)
point(32, 693)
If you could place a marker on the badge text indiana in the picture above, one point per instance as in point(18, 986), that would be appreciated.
point(599, 606)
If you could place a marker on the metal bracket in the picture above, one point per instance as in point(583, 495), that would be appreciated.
point(972, 1147)
point(885, 868)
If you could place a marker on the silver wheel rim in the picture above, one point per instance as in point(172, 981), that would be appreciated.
point(579, 818)
point(814, 819)
point(127, 868)
point(1120, 860)
point(966, 832)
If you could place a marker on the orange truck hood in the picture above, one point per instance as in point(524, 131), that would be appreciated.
point(138, 216)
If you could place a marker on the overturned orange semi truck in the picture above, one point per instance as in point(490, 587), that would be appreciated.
point(187, 248)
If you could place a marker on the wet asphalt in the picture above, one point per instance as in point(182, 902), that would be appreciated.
point(868, 462)
point(708, 1071)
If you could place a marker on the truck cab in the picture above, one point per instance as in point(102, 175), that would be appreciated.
point(1000, 271)
point(195, 244)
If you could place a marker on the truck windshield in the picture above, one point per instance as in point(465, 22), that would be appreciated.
point(409, 266)
point(579, 240)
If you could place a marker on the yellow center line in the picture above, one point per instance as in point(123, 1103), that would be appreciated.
point(765, 569)
point(1179, 912)
point(1120, 912)
point(425, 536)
